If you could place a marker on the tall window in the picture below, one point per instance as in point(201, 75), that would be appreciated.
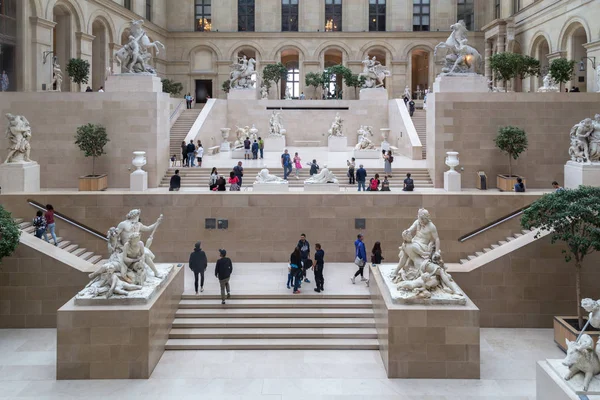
point(466, 12)
point(420, 15)
point(293, 79)
point(516, 6)
point(496, 9)
point(246, 15)
point(333, 15)
point(203, 20)
point(8, 19)
point(377, 15)
point(149, 10)
point(127, 4)
point(289, 15)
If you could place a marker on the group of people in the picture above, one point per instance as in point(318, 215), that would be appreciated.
point(190, 153)
point(253, 148)
point(189, 100)
point(89, 89)
point(223, 269)
point(359, 176)
point(44, 223)
point(410, 104)
point(217, 183)
point(288, 163)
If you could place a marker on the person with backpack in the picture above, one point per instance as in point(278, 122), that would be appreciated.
point(261, 147)
point(255, 150)
point(388, 160)
point(314, 167)
point(39, 223)
point(374, 184)
point(360, 258)
point(295, 270)
point(411, 107)
point(286, 163)
point(212, 181)
point(198, 264)
point(519, 186)
point(223, 270)
point(409, 184)
point(221, 184)
point(318, 268)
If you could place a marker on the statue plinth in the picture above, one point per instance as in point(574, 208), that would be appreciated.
point(242, 94)
point(270, 187)
point(322, 187)
point(452, 181)
point(373, 94)
point(577, 174)
point(225, 147)
point(337, 144)
point(20, 177)
point(460, 83)
point(274, 144)
point(142, 82)
point(367, 154)
point(138, 181)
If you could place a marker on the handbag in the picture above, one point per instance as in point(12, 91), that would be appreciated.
point(359, 261)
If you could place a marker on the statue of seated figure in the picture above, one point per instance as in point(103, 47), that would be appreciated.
point(325, 176)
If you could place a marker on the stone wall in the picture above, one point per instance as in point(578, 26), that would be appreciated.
point(133, 121)
point(469, 123)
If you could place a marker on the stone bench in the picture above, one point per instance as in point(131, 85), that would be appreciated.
point(214, 150)
point(307, 143)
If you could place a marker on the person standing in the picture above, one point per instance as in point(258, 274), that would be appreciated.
point(50, 224)
point(361, 177)
point(255, 150)
point(411, 107)
point(296, 269)
point(247, 150)
point(360, 258)
point(223, 270)
point(297, 164)
point(409, 184)
point(191, 150)
point(184, 157)
point(388, 159)
point(261, 147)
point(4, 82)
point(175, 182)
point(286, 163)
point(376, 256)
point(318, 268)
point(314, 167)
point(39, 223)
point(304, 247)
point(351, 165)
point(238, 170)
point(214, 176)
point(199, 153)
point(198, 264)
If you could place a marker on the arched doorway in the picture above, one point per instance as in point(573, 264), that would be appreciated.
point(573, 42)
point(420, 60)
point(540, 51)
point(333, 88)
point(99, 54)
point(63, 40)
point(291, 59)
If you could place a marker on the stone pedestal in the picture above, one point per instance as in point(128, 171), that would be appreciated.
point(242, 94)
point(385, 146)
point(20, 177)
point(337, 144)
point(133, 83)
point(373, 94)
point(238, 154)
point(460, 83)
point(138, 181)
point(452, 181)
point(367, 154)
point(274, 144)
point(551, 386)
point(225, 147)
point(322, 187)
point(270, 187)
point(581, 174)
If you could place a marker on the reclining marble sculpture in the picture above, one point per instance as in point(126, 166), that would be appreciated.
point(18, 133)
point(585, 141)
point(324, 176)
point(364, 143)
point(134, 57)
point(460, 57)
point(336, 126)
point(373, 73)
point(421, 272)
point(242, 72)
point(265, 177)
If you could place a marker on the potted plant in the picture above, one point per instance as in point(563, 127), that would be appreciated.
point(91, 139)
point(9, 234)
point(504, 66)
point(313, 79)
point(572, 217)
point(79, 71)
point(512, 141)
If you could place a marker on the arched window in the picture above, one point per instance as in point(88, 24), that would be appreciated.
point(293, 79)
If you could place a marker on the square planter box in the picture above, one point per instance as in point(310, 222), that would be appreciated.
point(506, 184)
point(93, 183)
point(564, 330)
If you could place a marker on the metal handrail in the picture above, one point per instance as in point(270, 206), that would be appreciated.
point(69, 220)
point(176, 109)
point(491, 225)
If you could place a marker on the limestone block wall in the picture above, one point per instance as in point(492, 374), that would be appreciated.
point(133, 121)
point(469, 123)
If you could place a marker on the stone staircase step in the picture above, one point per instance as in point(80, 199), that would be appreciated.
point(517, 235)
point(463, 261)
point(95, 259)
point(192, 296)
point(274, 333)
point(510, 238)
point(87, 255)
point(71, 248)
point(487, 250)
point(471, 257)
point(24, 225)
point(478, 254)
point(30, 229)
point(525, 231)
point(79, 251)
point(272, 344)
point(63, 244)
point(495, 246)
point(279, 303)
point(18, 220)
point(502, 242)
point(273, 323)
point(225, 312)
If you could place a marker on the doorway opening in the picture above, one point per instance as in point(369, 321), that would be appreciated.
point(203, 90)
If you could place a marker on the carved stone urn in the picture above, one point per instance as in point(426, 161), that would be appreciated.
point(452, 159)
point(225, 133)
point(139, 160)
point(385, 134)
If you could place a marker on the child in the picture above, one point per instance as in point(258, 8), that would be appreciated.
point(39, 223)
point(173, 160)
point(318, 268)
point(297, 164)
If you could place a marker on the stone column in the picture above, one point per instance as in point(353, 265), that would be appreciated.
point(501, 48)
point(83, 47)
point(41, 41)
point(488, 54)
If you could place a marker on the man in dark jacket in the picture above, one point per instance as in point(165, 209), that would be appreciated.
point(223, 271)
point(319, 263)
point(304, 247)
point(198, 264)
point(238, 170)
point(191, 148)
point(411, 107)
point(255, 150)
point(361, 177)
point(175, 183)
point(247, 145)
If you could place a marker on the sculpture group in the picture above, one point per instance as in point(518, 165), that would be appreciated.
point(242, 72)
point(549, 85)
point(373, 73)
point(276, 124)
point(336, 126)
point(134, 57)
point(129, 261)
point(460, 57)
point(18, 134)
point(364, 143)
point(585, 141)
point(324, 176)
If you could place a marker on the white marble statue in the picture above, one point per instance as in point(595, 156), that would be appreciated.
point(460, 57)
point(264, 92)
point(598, 77)
point(373, 72)
point(585, 141)
point(288, 94)
point(241, 135)
point(106, 280)
point(242, 72)
point(593, 308)
point(134, 57)
point(582, 356)
point(421, 272)
point(324, 176)
point(265, 177)
point(407, 93)
point(57, 76)
point(549, 85)
point(18, 134)
point(276, 124)
point(336, 126)
point(364, 143)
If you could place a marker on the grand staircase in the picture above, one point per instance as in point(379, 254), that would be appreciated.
point(66, 245)
point(181, 128)
point(270, 322)
point(199, 177)
point(419, 119)
point(494, 246)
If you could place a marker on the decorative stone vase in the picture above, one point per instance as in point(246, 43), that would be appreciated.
point(139, 160)
point(225, 133)
point(452, 159)
point(253, 131)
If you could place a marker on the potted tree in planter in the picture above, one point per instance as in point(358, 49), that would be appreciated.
point(561, 70)
point(572, 217)
point(79, 71)
point(91, 139)
point(512, 141)
point(9, 234)
point(275, 73)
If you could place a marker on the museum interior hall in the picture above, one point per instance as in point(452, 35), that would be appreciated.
point(300, 199)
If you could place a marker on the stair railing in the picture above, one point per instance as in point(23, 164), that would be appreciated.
point(176, 110)
point(69, 220)
point(492, 224)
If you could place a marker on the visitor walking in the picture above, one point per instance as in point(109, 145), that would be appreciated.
point(234, 182)
point(295, 270)
point(239, 172)
point(39, 223)
point(191, 149)
point(297, 164)
point(318, 268)
point(255, 150)
point(4, 82)
point(519, 186)
point(214, 176)
point(388, 159)
point(411, 107)
point(50, 224)
point(409, 184)
point(405, 98)
point(385, 185)
point(247, 149)
point(223, 270)
point(286, 163)
point(557, 187)
point(199, 153)
point(314, 167)
point(184, 157)
point(261, 147)
point(175, 182)
point(361, 177)
point(304, 247)
point(188, 101)
point(360, 258)
point(351, 166)
point(198, 264)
